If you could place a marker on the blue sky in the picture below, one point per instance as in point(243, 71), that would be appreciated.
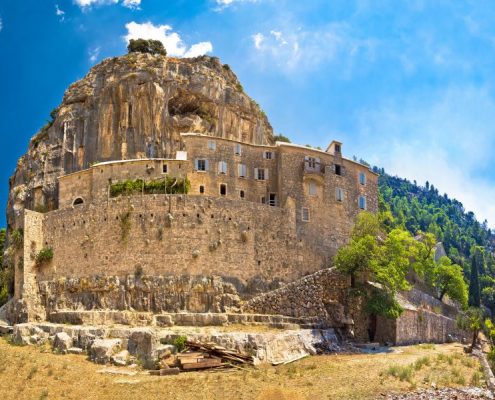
point(407, 85)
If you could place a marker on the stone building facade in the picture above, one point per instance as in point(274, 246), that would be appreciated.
point(255, 217)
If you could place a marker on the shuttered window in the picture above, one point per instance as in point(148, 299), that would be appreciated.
point(222, 167)
point(242, 171)
point(200, 164)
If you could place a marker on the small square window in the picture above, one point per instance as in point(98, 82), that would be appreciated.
point(263, 199)
point(338, 169)
point(305, 214)
point(267, 155)
point(237, 149)
point(223, 189)
point(312, 189)
point(362, 178)
point(164, 168)
point(212, 145)
point(241, 194)
point(339, 194)
point(362, 202)
point(202, 189)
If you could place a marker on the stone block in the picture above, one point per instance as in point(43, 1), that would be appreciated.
point(62, 342)
point(102, 350)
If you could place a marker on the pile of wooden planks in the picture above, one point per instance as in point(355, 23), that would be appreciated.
point(220, 352)
point(198, 356)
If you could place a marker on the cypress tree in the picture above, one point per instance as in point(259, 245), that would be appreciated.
point(474, 281)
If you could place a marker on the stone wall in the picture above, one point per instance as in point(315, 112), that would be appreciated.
point(418, 326)
point(322, 294)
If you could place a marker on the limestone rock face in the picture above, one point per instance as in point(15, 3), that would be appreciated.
point(129, 107)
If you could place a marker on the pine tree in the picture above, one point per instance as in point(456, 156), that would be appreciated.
point(474, 281)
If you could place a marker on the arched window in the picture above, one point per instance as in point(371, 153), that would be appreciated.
point(78, 201)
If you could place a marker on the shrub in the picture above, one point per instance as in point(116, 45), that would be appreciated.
point(44, 255)
point(125, 225)
point(168, 185)
point(16, 237)
point(180, 343)
point(149, 46)
point(281, 138)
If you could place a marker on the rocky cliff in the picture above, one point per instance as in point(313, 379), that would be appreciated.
point(128, 107)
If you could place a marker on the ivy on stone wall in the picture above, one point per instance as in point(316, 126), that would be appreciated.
point(168, 185)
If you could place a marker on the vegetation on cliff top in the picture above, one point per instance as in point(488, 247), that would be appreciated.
point(146, 46)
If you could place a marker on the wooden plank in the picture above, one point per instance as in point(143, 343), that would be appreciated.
point(201, 365)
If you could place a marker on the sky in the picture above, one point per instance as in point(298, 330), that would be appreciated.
point(407, 85)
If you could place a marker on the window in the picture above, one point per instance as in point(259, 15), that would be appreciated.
point(212, 145)
point(223, 189)
point(337, 148)
point(78, 201)
point(310, 162)
point(202, 189)
point(222, 167)
point(338, 169)
point(362, 202)
point(164, 168)
point(241, 194)
point(242, 171)
point(263, 200)
point(339, 194)
point(362, 178)
point(237, 149)
point(312, 189)
point(305, 214)
point(267, 155)
point(201, 164)
point(261, 174)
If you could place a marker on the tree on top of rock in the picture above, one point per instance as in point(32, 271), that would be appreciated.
point(149, 46)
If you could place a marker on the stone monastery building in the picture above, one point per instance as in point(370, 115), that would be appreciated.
point(254, 217)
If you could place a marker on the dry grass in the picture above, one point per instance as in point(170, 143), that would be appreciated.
point(35, 373)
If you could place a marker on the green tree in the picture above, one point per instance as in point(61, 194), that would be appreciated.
point(449, 280)
point(5, 271)
point(474, 281)
point(471, 320)
point(381, 258)
point(146, 46)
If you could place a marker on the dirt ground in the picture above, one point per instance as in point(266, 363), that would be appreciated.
point(30, 372)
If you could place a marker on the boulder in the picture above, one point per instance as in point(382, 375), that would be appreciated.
point(121, 358)
point(62, 342)
point(102, 350)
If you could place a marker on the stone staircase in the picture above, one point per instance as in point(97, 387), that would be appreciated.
point(134, 318)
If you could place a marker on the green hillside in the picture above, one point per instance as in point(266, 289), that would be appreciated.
point(423, 209)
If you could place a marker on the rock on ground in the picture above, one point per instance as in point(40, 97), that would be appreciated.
point(444, 394)
point(62, 342)
point(102, 349)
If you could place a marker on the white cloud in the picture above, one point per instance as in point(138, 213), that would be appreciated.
point(171, 40)
point(94, 53)
point(226, 3)
point(132, 4)
point(59, 13)
point(295, 49)
point(85, 4)
point(258, 40)
point(447, 138)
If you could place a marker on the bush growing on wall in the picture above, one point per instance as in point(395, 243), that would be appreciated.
point(44, 255)
point(168, 185)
